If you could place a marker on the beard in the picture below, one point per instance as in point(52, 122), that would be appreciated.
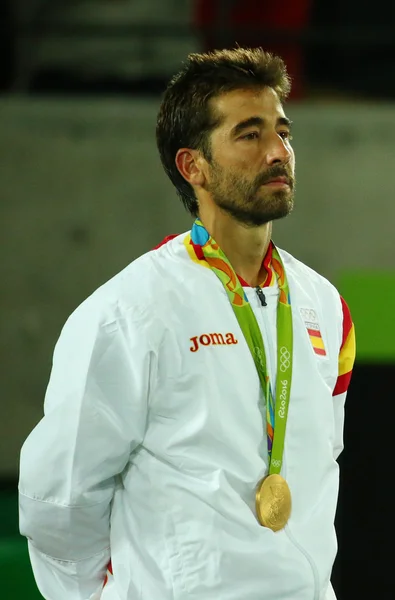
point(247, 201)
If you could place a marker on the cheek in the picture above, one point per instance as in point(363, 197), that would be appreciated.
point(292, 161)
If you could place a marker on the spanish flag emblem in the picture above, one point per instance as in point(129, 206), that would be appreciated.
point(316, 339)
point(313, 329)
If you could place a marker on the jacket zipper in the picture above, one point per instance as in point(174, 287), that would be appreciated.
point(261, 296)
point(262, 323)
point(307, 556)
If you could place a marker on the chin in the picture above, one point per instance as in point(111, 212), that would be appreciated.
point(282, 211)
point(274, 209)
point(257, 218)
point(258, 211)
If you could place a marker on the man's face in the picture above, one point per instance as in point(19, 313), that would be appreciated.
point(251, 169)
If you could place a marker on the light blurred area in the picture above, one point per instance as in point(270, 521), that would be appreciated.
point(83, 193)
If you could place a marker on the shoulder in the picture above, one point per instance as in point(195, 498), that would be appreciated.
point(303, 276)
point(137, 293)
point(298, 270)
point(310, 288)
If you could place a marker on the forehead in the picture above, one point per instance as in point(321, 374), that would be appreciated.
point(238, 105)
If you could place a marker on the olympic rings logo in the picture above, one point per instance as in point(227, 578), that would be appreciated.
point(285, 361)
point(309, 314)
point(276, 463)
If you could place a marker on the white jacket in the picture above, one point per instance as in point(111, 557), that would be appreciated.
point(149, 453)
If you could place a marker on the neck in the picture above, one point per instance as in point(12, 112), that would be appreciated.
point(245, 247)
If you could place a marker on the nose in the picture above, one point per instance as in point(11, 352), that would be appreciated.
point(278, 151)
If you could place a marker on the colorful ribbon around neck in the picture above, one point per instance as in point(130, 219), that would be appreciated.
point(276, 409)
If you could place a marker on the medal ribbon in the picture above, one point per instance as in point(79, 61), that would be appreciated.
point(276, 409)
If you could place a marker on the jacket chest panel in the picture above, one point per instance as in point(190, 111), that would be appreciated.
point(210, 400)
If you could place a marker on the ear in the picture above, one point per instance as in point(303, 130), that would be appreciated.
point(190, 164)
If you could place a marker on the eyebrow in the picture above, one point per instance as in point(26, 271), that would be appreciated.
point(257, 121)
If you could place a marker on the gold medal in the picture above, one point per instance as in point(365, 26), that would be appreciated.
point(273, 502)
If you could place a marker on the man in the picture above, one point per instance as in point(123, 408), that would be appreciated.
point(194, 412)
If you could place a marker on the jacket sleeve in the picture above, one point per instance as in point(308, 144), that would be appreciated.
point(330, 593)
point(94, 417)
point(346, 363)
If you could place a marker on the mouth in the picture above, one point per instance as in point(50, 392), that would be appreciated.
point(278, 181)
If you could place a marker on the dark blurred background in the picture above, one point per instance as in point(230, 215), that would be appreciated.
point(82, 193)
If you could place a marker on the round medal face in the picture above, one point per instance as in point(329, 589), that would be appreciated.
point(273, 502)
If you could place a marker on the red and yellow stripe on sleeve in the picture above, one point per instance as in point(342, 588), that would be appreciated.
point(347, 352)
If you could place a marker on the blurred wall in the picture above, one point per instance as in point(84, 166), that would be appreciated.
point(83, 193)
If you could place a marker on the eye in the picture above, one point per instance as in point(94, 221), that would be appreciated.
point(253, 135)
point(285, 135)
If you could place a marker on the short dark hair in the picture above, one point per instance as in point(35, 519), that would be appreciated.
point(185, 118)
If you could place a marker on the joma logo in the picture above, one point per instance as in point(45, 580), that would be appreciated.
point(212, 339)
